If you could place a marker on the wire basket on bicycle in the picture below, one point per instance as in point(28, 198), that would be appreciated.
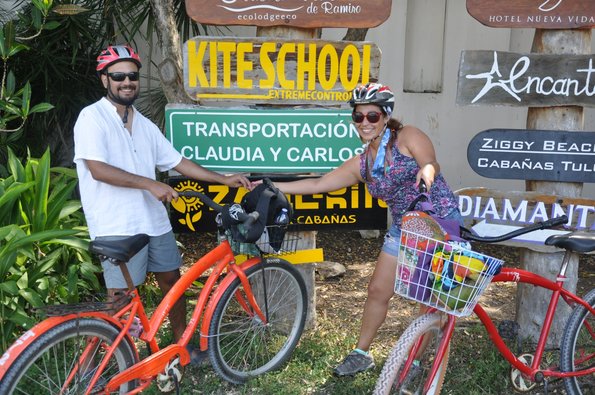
point(448, 276)
point(268, 234)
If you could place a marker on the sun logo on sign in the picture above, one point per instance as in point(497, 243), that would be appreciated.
point(191, 207)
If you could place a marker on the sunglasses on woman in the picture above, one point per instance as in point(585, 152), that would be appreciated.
point(372, 116)
point(119, 76)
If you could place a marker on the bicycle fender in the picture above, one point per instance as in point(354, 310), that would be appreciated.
point(25, 340)
point(216, 297)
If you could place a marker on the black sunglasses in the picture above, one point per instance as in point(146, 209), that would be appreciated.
point(119, 76)
point(373, 116)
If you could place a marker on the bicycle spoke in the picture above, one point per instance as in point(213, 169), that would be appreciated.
point(64, 359)
point(578, 349)
point(242, 346)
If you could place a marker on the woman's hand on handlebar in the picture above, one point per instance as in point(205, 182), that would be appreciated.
point(255, 183)
point(426, 173)
point(238, 180)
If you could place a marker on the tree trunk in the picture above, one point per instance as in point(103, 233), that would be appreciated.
point(170, 70)
point(532, 302)
point(355, 34)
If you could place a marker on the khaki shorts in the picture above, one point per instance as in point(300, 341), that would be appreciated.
point(160, 255)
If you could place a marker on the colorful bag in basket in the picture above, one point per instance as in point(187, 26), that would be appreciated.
point(431, 228)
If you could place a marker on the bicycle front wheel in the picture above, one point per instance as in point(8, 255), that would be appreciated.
point(63, 360)
point(578, 348)
point(241, 345)
point(423, 336)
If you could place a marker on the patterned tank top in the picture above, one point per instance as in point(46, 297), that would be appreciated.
point(397, 187)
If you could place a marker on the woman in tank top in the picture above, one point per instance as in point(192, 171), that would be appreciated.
point(395, 159)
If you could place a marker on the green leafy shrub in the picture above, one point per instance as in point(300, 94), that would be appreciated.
point(43, 243)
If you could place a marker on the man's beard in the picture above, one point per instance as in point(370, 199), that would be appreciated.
point(119, 100)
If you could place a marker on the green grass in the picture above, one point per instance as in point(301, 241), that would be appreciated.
point(475, 367)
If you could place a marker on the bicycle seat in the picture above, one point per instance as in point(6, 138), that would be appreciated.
point(121, 250)
point(574, 241)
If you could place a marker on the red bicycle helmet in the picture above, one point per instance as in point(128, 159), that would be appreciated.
point(116, 53)
point(374, 93)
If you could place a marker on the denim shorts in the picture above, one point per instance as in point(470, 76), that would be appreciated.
point(392, 239)
point(160, 255)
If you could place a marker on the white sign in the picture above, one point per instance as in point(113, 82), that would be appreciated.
point(493, 213)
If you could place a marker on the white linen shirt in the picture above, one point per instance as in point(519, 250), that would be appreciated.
point(100, 135)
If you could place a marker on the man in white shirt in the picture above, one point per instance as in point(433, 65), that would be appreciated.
point(117, 152)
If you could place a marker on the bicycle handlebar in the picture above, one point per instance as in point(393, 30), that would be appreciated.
point(239, 214)
point(207, 200)
point(468, 235)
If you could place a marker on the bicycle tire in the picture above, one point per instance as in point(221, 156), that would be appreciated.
point(240, 346)
point(578, 340)
point(427, 324)
point(42, 368)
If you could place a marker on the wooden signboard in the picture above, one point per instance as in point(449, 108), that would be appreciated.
point(269, 70)
point(528, 80)
point(537, 14)
point(350, 208)
point(544, 155)
point(492, 213)
point(291, 13)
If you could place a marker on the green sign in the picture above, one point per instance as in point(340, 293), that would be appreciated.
point(263, 140)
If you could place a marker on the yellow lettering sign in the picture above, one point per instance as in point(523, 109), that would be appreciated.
point(303, 66)
point(244, 65)
point(195, 69)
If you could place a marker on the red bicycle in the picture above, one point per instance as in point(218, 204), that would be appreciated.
point(418, 361)
point(251, 318)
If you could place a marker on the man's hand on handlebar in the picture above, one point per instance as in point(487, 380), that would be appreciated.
point(162, 192)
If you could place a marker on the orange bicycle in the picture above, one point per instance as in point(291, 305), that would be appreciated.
point(251, 318)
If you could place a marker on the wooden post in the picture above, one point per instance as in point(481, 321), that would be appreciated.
point(308, 239)
point(532, 301)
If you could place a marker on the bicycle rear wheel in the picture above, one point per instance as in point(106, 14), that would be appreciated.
point(240, 344)
point(578, 348)
point(45, 366)
point(425, 331)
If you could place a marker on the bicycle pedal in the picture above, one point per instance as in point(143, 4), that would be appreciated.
point(508, 329)
point(169, 380)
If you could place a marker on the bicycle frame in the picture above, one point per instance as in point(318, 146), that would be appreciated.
point(526, 277)
point(517, 276)
point(220, 258)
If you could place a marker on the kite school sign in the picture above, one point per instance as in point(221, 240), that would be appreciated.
point(528, 80)
point(290, 13)
point(263, 140)
point(537, 14)
point(268, 70)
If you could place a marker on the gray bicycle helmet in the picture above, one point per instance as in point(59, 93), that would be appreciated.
point(374, 93)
